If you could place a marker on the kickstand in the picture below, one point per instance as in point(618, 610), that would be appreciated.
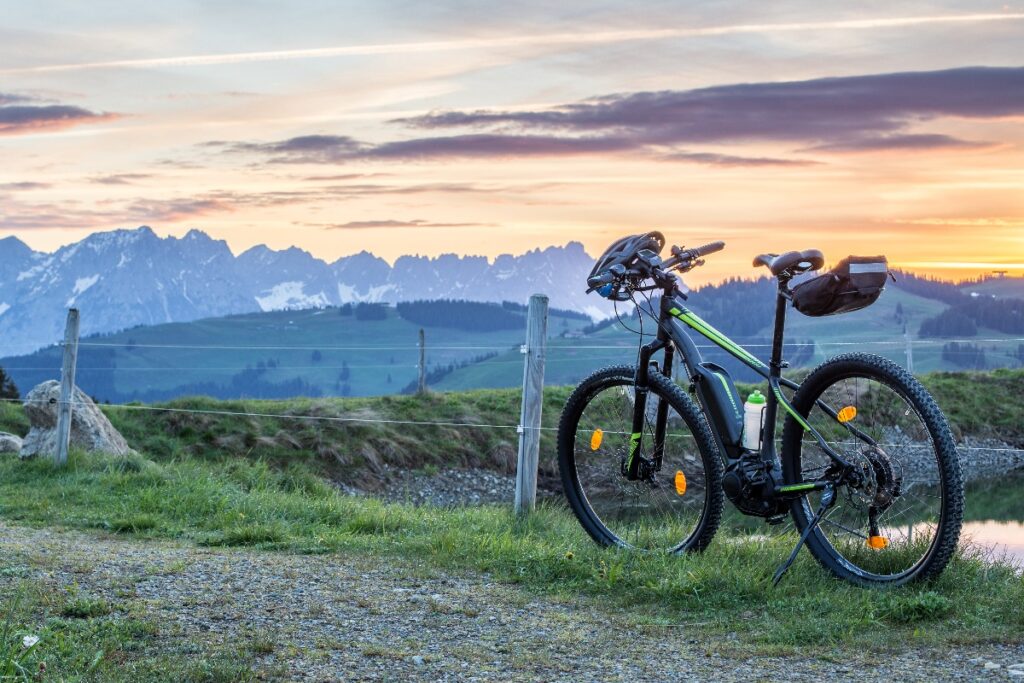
point(828, 496)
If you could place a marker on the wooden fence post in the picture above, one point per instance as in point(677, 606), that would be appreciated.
point(421, 387)
point(67, 387)
point(533, 399)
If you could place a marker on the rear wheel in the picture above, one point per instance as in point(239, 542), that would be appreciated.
point(902, 522)
point(676, 504)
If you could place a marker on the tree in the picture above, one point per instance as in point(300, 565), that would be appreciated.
point(950, 323)
point(7, 387)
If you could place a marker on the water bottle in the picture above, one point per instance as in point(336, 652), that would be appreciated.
point(753, 419)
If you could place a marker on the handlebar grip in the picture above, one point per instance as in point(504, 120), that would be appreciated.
point(708, 249)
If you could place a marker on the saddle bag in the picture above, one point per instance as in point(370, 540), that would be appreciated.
point(855, 283)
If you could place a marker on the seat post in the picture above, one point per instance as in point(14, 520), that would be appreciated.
point(781, 302)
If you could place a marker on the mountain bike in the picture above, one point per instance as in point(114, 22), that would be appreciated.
point(867, 468)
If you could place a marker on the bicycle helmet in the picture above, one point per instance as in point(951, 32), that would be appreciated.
point(621, 256)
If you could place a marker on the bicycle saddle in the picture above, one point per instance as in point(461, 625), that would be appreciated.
point(808, 259)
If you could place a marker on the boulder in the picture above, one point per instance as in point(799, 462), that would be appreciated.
point(9, 443)
point(90, 428)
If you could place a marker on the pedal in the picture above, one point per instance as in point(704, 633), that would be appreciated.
point(776, 520)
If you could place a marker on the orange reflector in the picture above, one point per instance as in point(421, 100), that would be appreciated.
point(680, 482)
point(847, 414)
point(595, 439)
point(877, 542)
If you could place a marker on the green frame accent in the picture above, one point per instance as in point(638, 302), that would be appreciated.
point(634, 446)
point(793, 488)
point(789, 409)
point(695, 322)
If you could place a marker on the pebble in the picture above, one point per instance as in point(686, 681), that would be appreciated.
point(451, 487)
point(350, 617)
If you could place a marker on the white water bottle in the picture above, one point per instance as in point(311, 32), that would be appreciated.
point(753, 420)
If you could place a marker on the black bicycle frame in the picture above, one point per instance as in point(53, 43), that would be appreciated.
point(673, 320)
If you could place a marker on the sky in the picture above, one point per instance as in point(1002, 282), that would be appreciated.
point(484, 128)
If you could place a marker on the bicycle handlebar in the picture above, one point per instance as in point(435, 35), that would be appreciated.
point(682, 260)
point(710, 248)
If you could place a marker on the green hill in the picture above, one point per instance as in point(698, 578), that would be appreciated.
point(1009, 287)
point(877, 329)
point(318, 352)
point(337, 352)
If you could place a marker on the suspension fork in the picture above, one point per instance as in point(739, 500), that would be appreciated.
point(661, 422)
point(641, 388)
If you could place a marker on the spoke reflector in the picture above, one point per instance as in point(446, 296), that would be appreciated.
point(595, 439)
point(847, 414)
point(877, 542)
point(680, 482)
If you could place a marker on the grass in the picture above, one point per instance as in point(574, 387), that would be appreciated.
point(726, 590)
point(76, 641)
point(235, 481)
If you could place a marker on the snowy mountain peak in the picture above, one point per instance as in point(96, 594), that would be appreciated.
point(123, 278)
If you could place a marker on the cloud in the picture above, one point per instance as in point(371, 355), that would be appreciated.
point(544, 40)
point(712, 159)
point(497, 145)
point(302, 149)
point(901, 143)
point(23, 186)
point(833, 113)
point(119, 178)
point(43, 216)
point(174, 210)
point(416, 223)
point(10, 98)
point(845, 114)
point(20, 119)
point(71, 214)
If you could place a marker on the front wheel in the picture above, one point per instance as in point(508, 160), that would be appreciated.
point(676, 503)
point(901, 521)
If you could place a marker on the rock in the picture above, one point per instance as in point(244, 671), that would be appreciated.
point(991, 666)
point(90, 428)
point(418, 660)
point(9, 443)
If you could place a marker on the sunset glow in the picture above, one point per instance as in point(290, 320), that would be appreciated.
point(453, 127)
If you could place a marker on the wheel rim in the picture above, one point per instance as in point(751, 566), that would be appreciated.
point(903, 480)
point(663, 514)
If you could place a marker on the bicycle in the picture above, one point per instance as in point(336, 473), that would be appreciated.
point(868, 470)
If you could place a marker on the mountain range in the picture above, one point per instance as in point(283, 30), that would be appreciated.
point(124, 278)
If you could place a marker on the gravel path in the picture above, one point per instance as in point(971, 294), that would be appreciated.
point(339, 617)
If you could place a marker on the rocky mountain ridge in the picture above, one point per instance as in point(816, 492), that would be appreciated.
point(123, 278)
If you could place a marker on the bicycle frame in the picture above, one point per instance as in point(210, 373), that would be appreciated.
point(674, 321)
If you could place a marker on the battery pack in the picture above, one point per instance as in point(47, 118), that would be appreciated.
point(722, 401)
